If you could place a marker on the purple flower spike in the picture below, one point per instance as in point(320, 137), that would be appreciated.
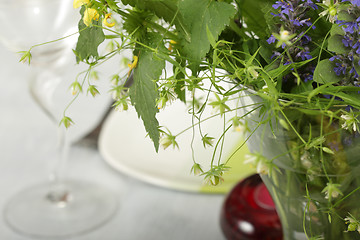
point(356, 3)
point(271, 39)
point(310, 3)
point(356, 75)
point(347, 41)
point(340, 69)
point(304, 55)
point(285, 8)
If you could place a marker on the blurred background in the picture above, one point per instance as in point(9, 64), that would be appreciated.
point(28, 141)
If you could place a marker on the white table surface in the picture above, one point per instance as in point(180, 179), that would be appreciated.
point(27, 142)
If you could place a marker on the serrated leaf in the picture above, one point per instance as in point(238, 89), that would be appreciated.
point(324, 72)
point(197, 16)
point(165, 9)
point(143, 92)
point(256, 15)
point(89, 39)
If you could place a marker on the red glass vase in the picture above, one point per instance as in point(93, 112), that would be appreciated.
point(249, 213)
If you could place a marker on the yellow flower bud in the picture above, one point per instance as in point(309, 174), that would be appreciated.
point(171, 44)
point(79, 3)
point(133, 64)
point(89, 15)
point(106, 22)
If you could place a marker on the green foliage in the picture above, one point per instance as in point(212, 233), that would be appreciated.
point(335, 44)
point(324, 72)
point(143, 92)
point(25, 57)
point(133, 23)
point(256, 15)
point(89, 40)
point(66, 121)
point(201, 17)
point(232, 50)
point(165, 9)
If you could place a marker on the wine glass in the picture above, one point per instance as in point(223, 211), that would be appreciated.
point(59, 207)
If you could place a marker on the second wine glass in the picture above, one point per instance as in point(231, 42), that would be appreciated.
point(59, 207)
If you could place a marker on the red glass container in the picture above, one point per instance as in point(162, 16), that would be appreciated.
point(249, 213)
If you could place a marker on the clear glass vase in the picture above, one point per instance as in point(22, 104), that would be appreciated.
point(303, 217)
point(309, 160)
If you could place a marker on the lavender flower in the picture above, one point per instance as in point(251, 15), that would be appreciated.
point(295, 21)
point(353, 2)
point(304, 55)
point(346, 64)
point(340, 69)
point(284, 6)
point(271, 39)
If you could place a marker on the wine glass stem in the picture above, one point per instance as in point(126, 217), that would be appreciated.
point(58, 193)
point(42, 86)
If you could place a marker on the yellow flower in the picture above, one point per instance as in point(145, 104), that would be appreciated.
point(106, 22)
point(79, 3)
point(89, 15)
point(171, 45)
point(133, 65)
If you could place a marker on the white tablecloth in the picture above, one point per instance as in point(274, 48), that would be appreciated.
point(27, 144)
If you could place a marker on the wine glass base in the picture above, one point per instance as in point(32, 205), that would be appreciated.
point(31, 213)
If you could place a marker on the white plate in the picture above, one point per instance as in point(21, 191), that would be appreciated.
point(124, 145)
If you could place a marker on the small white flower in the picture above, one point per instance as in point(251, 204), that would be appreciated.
point(259, 161)
point(167, 140)
point(115, 95)
point(353, 223)
point(332, 190)
point(349, 220)
point(262, 168)
point(330, 10)
point(305, 160)
point(350, 121)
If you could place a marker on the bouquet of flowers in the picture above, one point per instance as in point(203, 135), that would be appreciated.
point(293, 68)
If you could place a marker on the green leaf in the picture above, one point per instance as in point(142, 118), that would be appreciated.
point(335, 44)
point(324, 72)
point(89, 39)
point(345, 16)
point(328, 150)
point(165, 9)
point(276, 71)
point(356, 64)
point(198, 16)
point(210, 37)
point(112, 5)
point(317, 90)
point(254, 14)
point(143, 92)
point(25, 56)
point(352, 99)
point(336, 29)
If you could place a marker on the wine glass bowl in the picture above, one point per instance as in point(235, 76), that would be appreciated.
point(30, 22)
